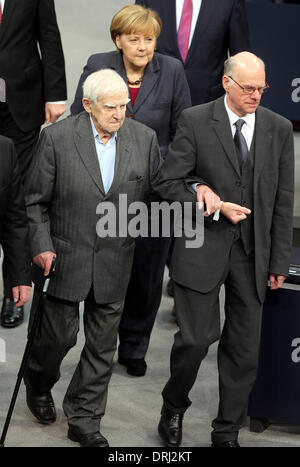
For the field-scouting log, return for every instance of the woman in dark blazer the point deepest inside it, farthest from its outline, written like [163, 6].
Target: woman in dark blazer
[159, 92]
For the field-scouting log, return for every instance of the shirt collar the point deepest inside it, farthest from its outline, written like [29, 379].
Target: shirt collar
[233, 118]
[96, 134]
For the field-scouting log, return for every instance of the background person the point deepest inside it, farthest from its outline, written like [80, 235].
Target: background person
[32, 66]
[13, 227]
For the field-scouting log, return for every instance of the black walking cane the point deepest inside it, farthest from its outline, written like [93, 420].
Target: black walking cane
[35, 323]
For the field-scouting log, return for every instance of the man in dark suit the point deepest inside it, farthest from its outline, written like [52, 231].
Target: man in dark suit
[13, 224]
[35, 89]
[242, 154]
[82, 164]
[216, 28]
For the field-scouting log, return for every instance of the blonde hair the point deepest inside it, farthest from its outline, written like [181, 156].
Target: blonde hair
[137, 19]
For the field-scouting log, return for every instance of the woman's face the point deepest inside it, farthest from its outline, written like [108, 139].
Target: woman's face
[138, 49]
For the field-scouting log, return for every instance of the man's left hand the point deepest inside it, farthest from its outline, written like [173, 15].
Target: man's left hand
[53, 112]
[276, 281]
[21, 294]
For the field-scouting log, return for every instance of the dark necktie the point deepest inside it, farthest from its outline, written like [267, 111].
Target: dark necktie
[184, 30]
[240, 141]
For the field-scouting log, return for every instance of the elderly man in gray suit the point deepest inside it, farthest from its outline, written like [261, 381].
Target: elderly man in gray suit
[80, 163]
[242, 154]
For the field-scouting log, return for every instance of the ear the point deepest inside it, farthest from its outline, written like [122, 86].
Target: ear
[87, 104]
[226, 83]
[118, 41]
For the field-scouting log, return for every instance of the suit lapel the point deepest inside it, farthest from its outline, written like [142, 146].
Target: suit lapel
[150, 78]
[124, 150]
[85, 144]
[171, 12]
[221, 126]
[263, 138]
[8, 9]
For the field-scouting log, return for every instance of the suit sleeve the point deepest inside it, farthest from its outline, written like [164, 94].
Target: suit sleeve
[178, 172]
[239, 31]
[39, 191]
[15, 229]
[89, 68]
[282, 220]
[55, 88]
[181, 98]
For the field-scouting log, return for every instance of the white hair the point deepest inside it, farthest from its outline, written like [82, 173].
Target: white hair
[103, 83]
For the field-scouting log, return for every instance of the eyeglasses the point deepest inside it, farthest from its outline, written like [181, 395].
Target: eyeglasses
[251, 89]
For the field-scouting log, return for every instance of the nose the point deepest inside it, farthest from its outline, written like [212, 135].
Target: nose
[256, 94]
[118, 114]
[142, 44]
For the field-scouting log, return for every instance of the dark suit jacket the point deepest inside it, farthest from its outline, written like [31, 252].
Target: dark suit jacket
[164, 93]
[13, 219]
[63, 191]
[31, 80]
[221, 26]
[203, 149]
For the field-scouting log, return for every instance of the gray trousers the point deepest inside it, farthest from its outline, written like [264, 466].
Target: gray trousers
[85, 401]
[199, 326]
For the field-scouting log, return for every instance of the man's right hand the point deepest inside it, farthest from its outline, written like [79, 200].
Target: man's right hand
[234, 212]
[44, 261]
[209, 197]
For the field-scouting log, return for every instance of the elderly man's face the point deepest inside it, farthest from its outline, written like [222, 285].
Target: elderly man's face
[238, 101]
[108, 113]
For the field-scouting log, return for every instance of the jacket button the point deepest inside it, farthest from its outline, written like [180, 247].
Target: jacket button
[130, 115]
[238, 183]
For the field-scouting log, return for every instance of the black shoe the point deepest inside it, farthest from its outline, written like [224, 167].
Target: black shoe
[41, 406]
[170, 427]
[11, 315]
[135, 366]
[90, 440]
[170, 288]
[227, 444]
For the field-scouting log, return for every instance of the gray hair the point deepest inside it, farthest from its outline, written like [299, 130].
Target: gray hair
[230, 63]
[103, 83]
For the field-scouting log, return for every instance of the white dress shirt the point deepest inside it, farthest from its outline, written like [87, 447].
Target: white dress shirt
[196, 9]
[2, 4]
[247, 128]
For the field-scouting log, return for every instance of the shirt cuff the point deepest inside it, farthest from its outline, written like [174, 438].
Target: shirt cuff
[57, 102]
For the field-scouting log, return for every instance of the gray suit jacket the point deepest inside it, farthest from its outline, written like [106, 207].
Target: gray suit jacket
[163, 95]
[203, 151]
[62, 193]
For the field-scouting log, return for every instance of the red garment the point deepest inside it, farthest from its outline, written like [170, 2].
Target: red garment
[0, 14]
[133, 94]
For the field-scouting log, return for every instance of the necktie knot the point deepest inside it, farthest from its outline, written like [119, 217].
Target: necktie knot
[239, 124]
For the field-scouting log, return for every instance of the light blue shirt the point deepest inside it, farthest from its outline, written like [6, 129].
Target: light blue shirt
[106, 156]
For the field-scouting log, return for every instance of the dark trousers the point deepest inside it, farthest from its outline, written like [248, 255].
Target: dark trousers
[199, 326]
[24, 144]
[143, 296]
[85, 401]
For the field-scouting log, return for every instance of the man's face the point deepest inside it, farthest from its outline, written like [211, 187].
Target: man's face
[238, 101]
[108, 114]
